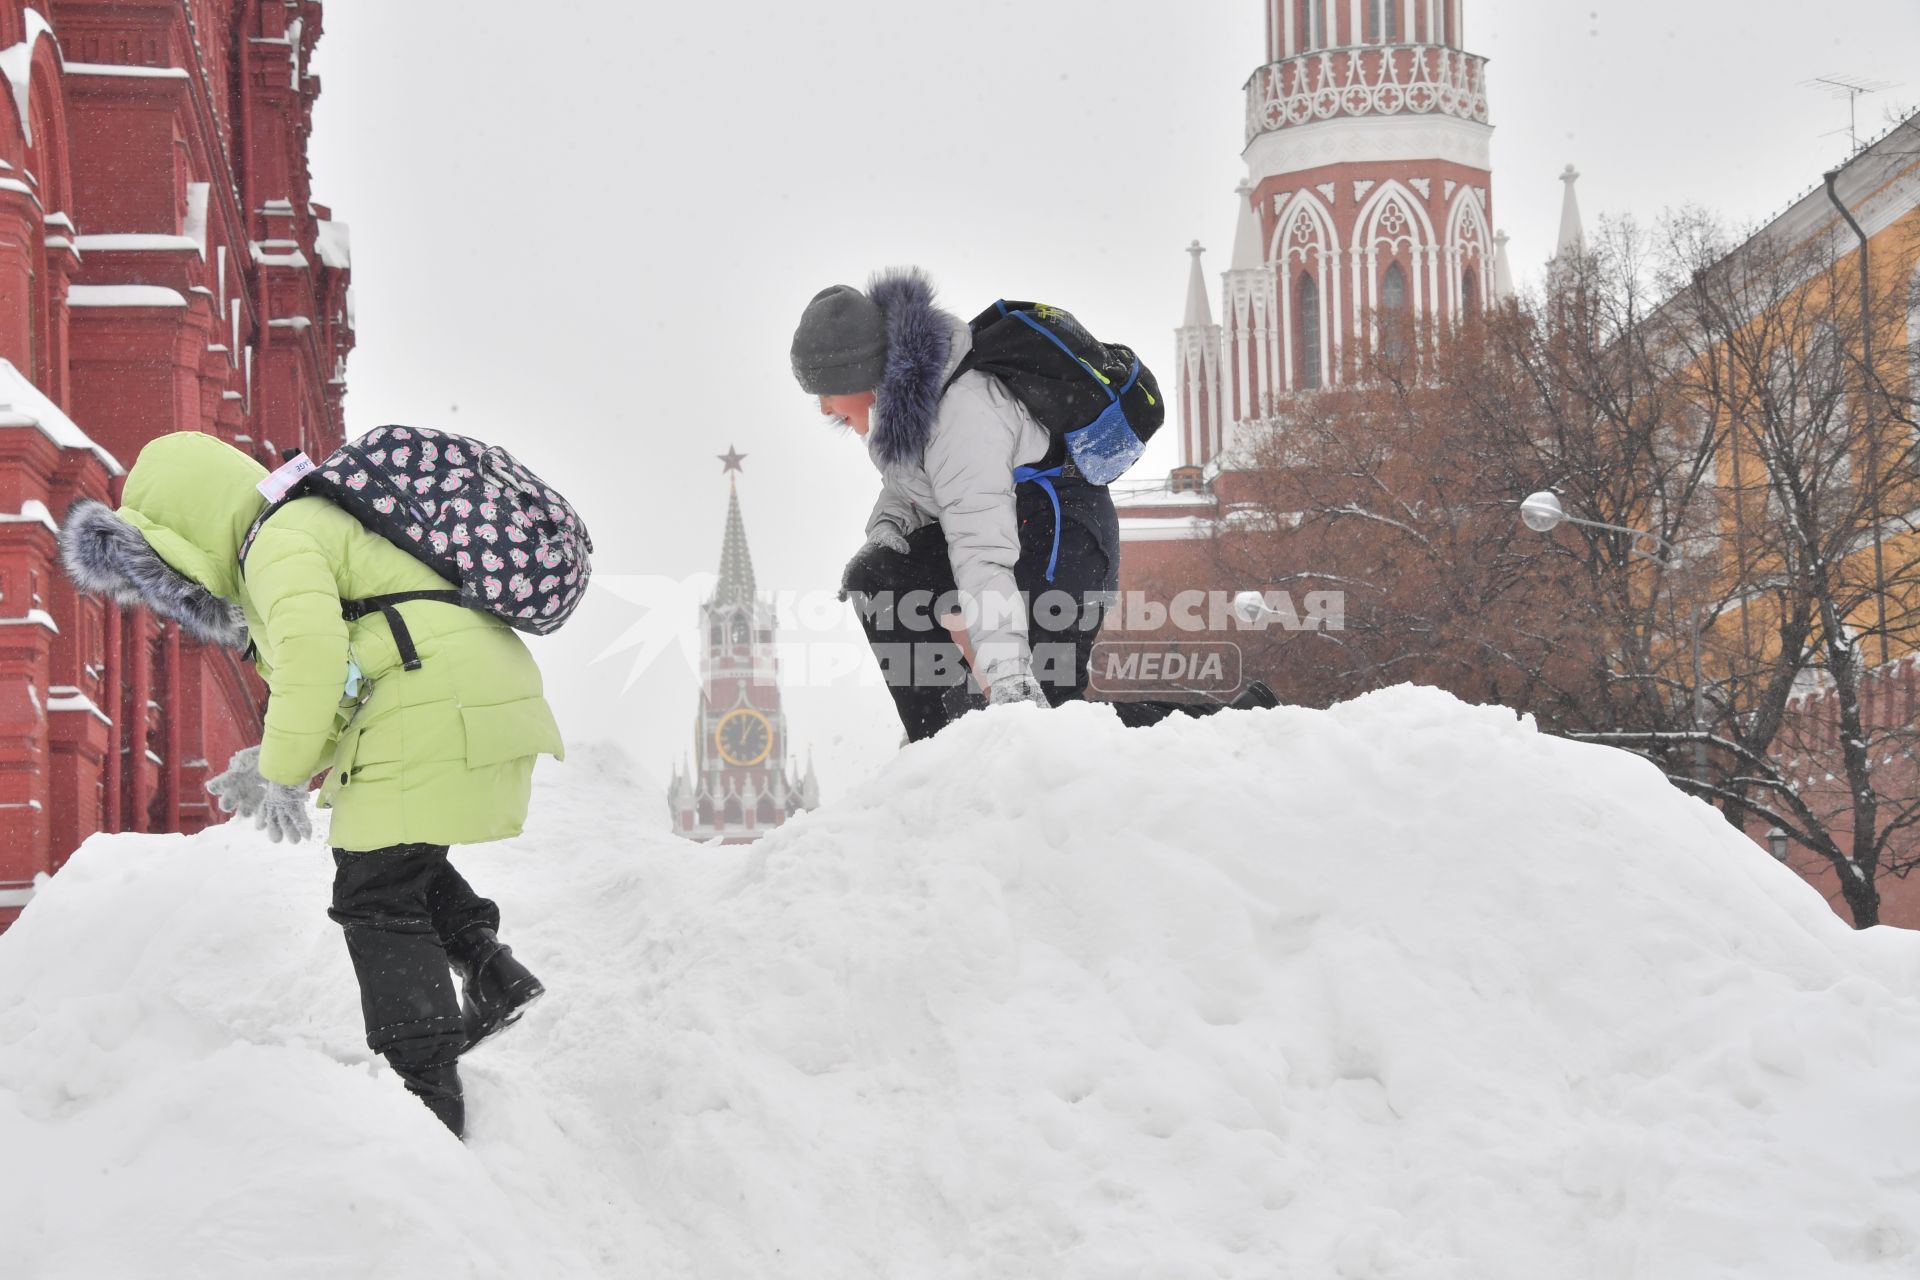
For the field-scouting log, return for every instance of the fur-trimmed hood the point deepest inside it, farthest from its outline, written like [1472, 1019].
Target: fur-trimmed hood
[174, 546]
[106, 556]
[924, 346]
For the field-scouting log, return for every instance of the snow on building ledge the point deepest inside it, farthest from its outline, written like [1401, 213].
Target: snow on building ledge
[127, 295]
[32, 511]
[24, 405]
[65, 697]
[33, 618]
[1160, 529]
[125, 71]
[334, 243]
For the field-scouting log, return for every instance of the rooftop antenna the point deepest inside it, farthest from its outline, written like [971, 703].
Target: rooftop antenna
[1853, 87]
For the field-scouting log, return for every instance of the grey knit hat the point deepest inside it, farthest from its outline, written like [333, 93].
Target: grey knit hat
[840, 348]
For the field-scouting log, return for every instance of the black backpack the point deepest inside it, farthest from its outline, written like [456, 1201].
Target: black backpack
[1096, 399]
[471, 512]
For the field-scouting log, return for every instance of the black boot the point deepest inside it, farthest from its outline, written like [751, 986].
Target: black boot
[439, 1087]
[496, 988]
[1255, 697]
[413, 1019]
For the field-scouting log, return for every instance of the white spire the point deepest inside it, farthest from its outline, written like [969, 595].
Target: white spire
[1247, 254]
[1199, 314]
[810, 786]
[1573, 235]
[1502, 269]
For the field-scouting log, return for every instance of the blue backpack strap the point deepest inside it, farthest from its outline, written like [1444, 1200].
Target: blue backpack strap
[1021, 475]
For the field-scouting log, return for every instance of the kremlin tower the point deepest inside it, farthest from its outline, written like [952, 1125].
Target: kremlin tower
[742, 780]
[1367, 202]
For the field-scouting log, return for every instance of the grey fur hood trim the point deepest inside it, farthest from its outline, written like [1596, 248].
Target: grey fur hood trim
[919, 346]
[106, 556]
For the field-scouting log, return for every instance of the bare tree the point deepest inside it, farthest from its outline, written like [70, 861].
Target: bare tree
[1720, 401]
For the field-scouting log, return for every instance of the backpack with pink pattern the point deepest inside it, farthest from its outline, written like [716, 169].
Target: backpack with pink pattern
[470, 511]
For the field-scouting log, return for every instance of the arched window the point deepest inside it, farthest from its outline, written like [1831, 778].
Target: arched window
[703, 812]
[765, 814]
[1469, 292]
[1393, 311]
[1393, 289]
[1307, 325]
[733, 814]
[740, 631]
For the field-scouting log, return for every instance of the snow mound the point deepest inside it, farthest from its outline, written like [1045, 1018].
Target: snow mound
[1400, 989]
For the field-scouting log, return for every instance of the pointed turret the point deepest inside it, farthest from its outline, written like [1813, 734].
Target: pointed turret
[1197, 383]
[1248, 254]
[1573, 233]
[810, 787]
[1502, 270]
[1199, 311]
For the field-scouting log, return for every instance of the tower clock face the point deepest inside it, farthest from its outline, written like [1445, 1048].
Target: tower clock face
[744, 736]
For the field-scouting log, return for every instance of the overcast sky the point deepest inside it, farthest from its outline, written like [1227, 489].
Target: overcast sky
[585, 230]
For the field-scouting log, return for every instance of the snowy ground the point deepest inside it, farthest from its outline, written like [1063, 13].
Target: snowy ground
[1396, 990]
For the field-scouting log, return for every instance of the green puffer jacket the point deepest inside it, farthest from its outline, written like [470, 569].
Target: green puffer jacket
[441, 755]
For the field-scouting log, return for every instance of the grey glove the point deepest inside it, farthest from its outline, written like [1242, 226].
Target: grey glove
[241, 788]
[1008, 690]
[284, 814]
[883, 535]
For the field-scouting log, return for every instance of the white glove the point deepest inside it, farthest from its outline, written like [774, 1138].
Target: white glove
[284, 814]
[1008, 690]
[884, 535]
[241, 788]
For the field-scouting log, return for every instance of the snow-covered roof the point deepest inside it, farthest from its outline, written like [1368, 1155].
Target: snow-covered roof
[24, 405]
[124, 295]
[334, 243]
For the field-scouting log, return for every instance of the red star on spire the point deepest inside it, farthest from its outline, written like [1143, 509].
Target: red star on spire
[730, 460]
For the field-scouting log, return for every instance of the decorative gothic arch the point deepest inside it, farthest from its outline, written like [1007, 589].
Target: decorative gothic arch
[1393, 225]
[1306, 241]
[1467, 250]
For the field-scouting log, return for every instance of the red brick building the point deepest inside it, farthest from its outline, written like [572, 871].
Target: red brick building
[162, 268]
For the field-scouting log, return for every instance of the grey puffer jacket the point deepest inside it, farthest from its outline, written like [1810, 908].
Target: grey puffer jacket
[950, 458]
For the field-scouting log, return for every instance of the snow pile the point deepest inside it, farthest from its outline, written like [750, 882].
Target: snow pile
[1401, 989]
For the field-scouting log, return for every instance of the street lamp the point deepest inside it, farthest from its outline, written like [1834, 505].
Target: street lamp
[1777, 844]
[1542, 513]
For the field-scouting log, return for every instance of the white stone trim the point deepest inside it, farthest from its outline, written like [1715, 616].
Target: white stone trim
[1370, 140]
[1180, 529]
